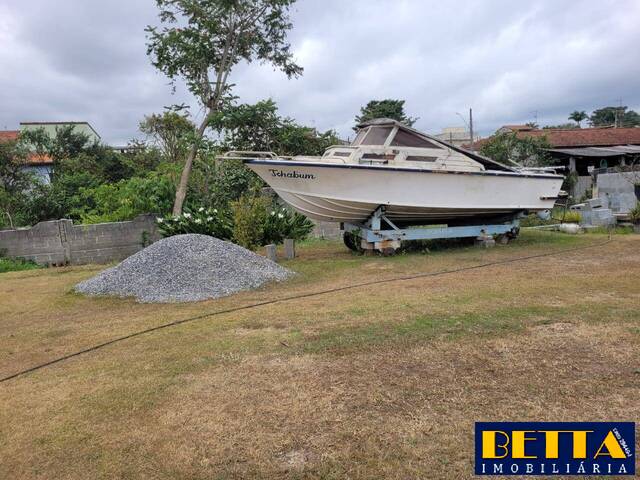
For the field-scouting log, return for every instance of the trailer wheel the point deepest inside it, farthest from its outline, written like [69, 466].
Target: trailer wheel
[502, 239]
[352, 242]
[388, 252]
[513, 234]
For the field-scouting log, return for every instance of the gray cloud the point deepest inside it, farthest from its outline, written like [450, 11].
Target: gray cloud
[86, 60]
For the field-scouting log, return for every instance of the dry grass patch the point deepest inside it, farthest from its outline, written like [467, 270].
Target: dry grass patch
[373, 382]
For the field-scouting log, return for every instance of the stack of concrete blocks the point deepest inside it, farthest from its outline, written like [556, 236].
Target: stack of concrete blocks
[485, 241]
[595, 213]
[60, 242]
[618, 191]
[328, 230]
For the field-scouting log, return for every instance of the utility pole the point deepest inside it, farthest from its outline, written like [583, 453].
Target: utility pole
[618, 115]
[471, 127]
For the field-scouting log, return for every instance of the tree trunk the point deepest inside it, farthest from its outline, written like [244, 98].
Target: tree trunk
[181, 191]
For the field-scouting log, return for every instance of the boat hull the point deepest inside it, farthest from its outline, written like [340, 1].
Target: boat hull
[350, 193]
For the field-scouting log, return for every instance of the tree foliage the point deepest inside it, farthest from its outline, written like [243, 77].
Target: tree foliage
[258, 127]
[171, 132]
[509, 148]
[562, 126]
[578, 116]
[200, 41]
[388, 108]
[15, 184]
[618, 116]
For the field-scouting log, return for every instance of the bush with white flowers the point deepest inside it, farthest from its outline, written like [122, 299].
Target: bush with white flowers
[282, 223]
[206, 221]
[252, 221]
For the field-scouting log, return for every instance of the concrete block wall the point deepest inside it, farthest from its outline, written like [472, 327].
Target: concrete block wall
[61, 242]
[618, 191]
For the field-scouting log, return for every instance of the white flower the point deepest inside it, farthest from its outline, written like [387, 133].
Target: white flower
[215, 210]
[280, 215]
[201, 209]
[197, 220]
[284, 209]
[187, 215]
[209, 219]
[273, 213]
[159, 220]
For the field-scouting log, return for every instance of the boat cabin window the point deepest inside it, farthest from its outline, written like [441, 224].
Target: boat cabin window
[376, 136]
[341, 154]
[360, 136]
[378, 156]
[420, 158]
[408, 139]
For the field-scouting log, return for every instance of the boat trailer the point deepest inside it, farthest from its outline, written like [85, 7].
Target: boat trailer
[370, 236]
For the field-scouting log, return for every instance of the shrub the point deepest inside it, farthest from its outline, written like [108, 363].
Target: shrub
[16, 264]
[252, 221]
[282, 223]
[213, 222]
[249, 219]
[558, 215]
[123, 200]
[634, 214]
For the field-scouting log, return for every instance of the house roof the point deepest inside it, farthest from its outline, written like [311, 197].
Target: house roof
[598, 152]
[581, 137]
[32, 158]
[592, 137]
[39, 159]
[517, 128]
[9, 135]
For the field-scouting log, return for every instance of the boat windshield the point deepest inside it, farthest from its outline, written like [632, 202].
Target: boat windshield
[408, 139]
[376, 136]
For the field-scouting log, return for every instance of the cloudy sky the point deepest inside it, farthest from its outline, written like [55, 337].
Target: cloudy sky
[511, 61]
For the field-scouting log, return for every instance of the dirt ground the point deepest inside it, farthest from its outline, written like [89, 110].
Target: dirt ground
[383, 381]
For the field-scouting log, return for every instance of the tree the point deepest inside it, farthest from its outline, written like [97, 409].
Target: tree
[256, 127]
[388, 108]
[616, 116]
[509, 148]
[202, 40]
[15, 182]
[578, 116]
[562, 126]
[171, 132]
[259, 127]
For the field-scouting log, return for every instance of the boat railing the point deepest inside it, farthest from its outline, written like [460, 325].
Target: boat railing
[246, 155]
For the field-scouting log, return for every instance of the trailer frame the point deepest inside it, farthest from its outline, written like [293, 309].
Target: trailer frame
[374, 236]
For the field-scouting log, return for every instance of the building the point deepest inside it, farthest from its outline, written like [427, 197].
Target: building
[584, 150]
[457, 136]
[42, 165]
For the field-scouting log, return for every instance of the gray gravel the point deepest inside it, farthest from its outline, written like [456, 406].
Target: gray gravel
[185, 268]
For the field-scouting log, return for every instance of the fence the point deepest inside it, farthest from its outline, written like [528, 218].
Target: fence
[60, 242]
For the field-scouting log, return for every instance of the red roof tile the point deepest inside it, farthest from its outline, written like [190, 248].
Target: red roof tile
[581, 137]
[39, 159]
[587, 137]
[33, 158]
[9, 135]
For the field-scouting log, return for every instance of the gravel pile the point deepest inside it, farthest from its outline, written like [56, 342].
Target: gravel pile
[185, 268]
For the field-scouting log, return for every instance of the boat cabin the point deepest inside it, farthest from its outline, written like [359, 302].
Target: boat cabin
[389, 142]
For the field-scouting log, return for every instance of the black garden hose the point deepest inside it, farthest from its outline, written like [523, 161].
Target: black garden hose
[293, 297]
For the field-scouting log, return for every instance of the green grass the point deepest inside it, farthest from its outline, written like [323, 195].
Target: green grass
[16, 265]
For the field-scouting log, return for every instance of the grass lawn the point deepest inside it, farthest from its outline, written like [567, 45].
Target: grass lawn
[384, 381]
[16, 265]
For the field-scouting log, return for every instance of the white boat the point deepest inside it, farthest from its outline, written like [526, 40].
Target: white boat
[416, 178]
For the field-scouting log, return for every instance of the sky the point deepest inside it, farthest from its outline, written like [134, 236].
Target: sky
[512, 62]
